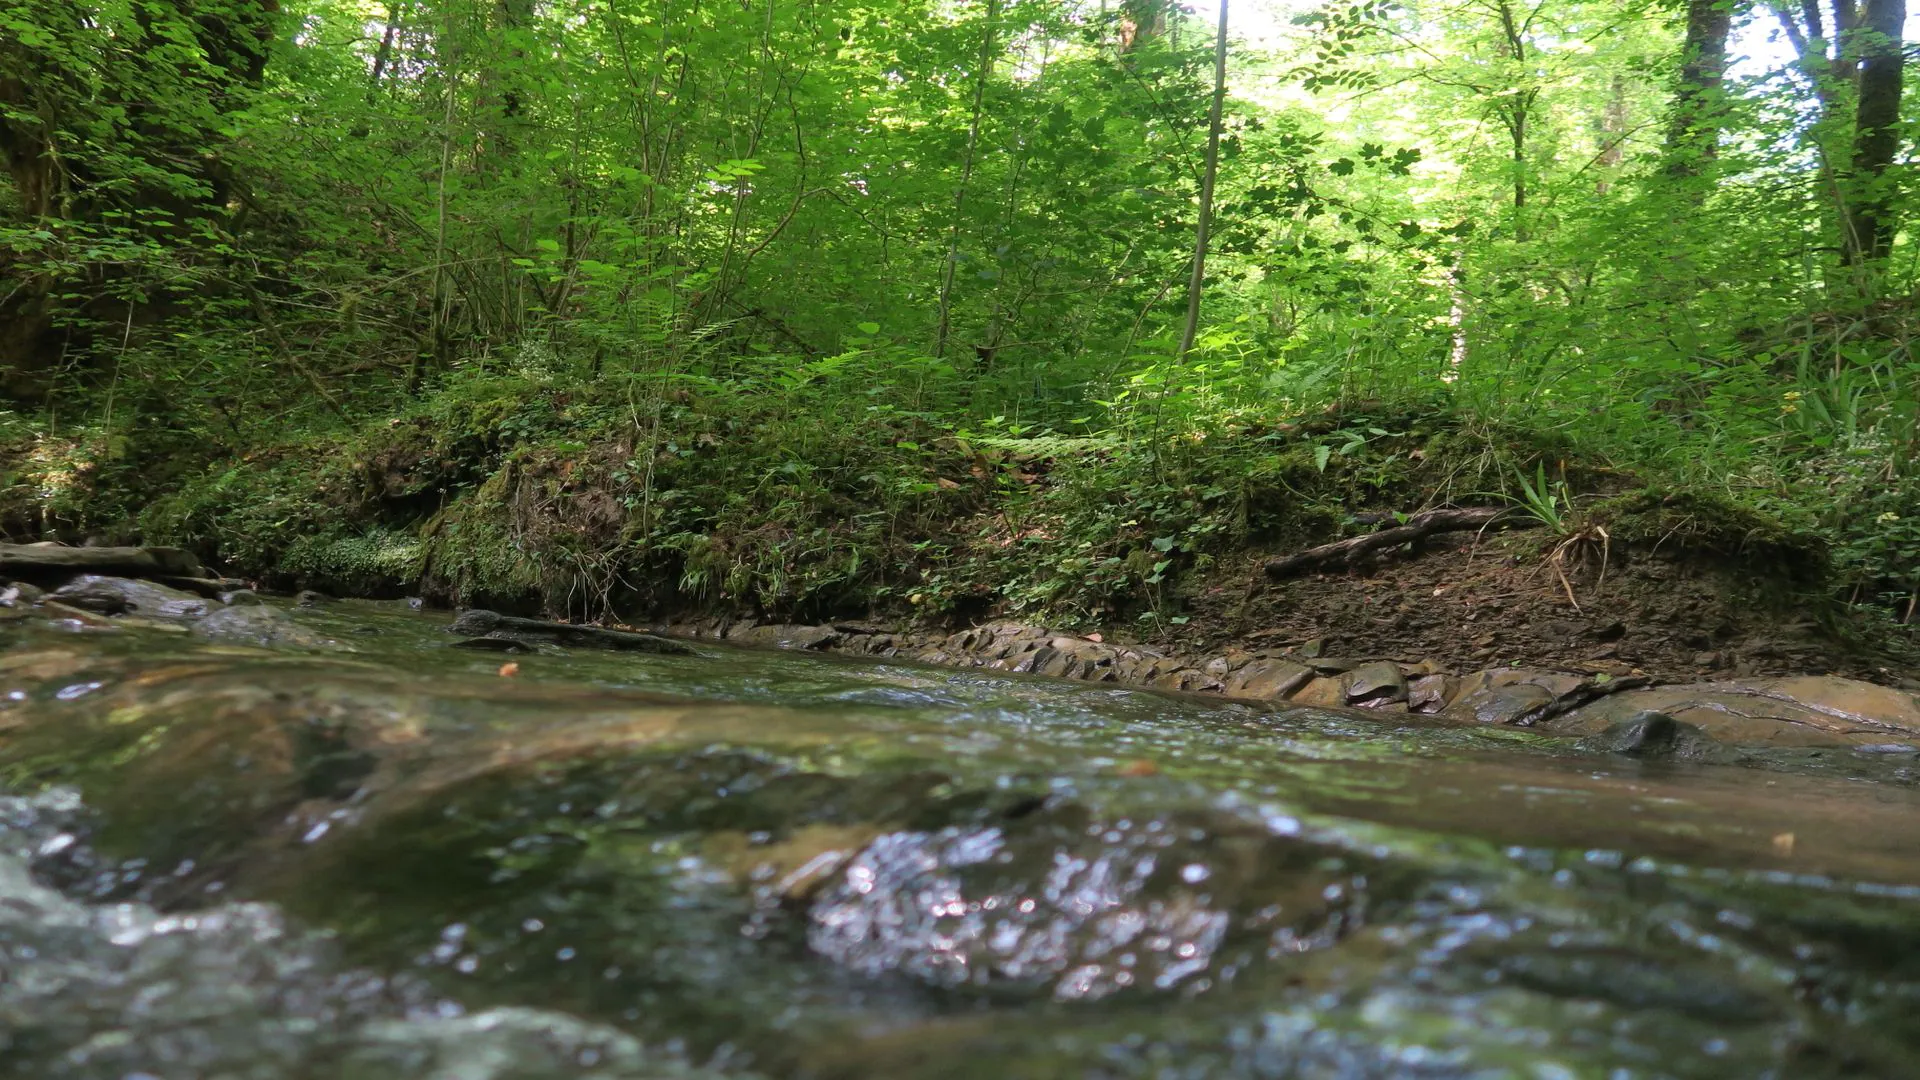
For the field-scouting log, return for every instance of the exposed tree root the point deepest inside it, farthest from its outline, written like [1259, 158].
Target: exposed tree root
[1350, 551]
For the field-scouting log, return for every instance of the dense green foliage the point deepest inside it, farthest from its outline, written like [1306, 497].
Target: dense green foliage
[806, 304]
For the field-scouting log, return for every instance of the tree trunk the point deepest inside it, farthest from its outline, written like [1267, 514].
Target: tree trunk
[1198, 281]
[396, 12]
[1516, 114]
[1141, 21]
[966, 177]
[1693, 136]
[1876, 139]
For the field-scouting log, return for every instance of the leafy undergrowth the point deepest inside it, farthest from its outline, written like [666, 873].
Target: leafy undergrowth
[510, 491]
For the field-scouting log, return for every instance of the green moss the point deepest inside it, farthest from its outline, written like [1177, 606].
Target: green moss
[472, 555]
[1696, 522]
[379, 561]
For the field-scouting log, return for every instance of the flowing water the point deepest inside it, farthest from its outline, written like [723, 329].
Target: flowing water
[220, 861]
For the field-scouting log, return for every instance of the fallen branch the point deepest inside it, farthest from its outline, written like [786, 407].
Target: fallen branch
[137, 561]
[1419, 526]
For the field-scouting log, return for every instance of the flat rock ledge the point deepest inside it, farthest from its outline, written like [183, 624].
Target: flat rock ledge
[1800, 712]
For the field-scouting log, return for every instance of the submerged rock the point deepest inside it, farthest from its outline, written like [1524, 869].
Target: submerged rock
[787, 637]
[478, 623]
[20, 594]
[258, 624]
[1652, 734]
[124, 596]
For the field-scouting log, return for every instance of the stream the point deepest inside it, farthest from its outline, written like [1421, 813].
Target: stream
[373, 854]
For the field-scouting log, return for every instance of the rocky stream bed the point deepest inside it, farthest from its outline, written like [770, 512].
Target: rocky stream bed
[246, 837]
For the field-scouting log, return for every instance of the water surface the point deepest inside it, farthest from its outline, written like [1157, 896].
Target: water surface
[397, 862]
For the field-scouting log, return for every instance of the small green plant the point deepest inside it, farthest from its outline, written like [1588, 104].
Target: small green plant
[1549, 504]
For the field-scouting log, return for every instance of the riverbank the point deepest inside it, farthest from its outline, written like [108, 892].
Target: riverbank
[508, 493]
[1604, 705]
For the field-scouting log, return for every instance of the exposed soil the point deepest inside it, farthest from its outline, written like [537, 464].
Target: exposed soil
[1501, 600]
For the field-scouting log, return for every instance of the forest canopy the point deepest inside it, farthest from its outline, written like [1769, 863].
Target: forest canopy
[840, 239]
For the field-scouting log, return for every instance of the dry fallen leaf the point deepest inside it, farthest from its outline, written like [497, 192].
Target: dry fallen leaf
[1139, 767]
[949, 485]
[509, 669]
[1783, 844]
[1095, 638]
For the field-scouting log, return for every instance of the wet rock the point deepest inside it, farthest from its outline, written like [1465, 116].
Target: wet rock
[1514, 703]
[1375, 684]
[414, 603]
[21, 594]
[1849, 700]
[493, 644]
[1644, 734]
[1188, 679]
[123, 596]
[1071, 658]
[1678, 988]
[311, 598]
[478, 622]
[1330, 665]
[78, 616]
[241, 596]
[788, 637]
[257, 624]
[1073, 909]
[1519, 696]
[1322, 692]
[1796, 712]
[1430, 693]
[1268, 679]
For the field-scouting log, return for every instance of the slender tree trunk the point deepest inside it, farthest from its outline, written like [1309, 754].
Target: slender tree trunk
[1693, 135]
[1876, 139]
[1457, 343]
[396, 11]
[966, 177]
[1830, 70]
[441, 340]
[1517, 115]
[1198, 281]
